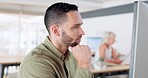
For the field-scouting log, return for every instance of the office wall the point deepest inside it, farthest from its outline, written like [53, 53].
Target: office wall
[121, 24]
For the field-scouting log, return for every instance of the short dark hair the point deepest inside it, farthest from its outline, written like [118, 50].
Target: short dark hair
[56, 13]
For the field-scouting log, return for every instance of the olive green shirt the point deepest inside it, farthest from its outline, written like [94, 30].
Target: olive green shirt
[45, 61]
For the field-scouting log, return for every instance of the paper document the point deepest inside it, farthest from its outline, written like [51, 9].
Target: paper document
[125, 59]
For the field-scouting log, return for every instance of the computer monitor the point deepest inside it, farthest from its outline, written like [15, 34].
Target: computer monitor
[139, 62]
[94, 42]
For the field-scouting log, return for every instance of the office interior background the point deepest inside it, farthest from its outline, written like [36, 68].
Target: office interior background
[22, 24]
[22, 27]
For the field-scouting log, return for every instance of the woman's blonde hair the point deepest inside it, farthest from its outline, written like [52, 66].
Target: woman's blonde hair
[107, 35]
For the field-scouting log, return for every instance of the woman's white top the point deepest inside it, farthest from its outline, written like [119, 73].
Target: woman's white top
[108, 53]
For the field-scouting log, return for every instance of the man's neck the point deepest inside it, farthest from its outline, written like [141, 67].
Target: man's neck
[63, 49]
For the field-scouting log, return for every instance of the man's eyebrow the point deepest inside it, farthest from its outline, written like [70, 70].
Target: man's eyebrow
[78, 24]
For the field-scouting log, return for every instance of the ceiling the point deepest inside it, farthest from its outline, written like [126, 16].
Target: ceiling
[14, 13]
[38, 7]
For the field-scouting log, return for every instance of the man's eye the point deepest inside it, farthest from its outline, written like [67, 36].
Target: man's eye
[75, 27]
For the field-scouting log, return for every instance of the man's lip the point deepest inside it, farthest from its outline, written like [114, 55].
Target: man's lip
[79, 38]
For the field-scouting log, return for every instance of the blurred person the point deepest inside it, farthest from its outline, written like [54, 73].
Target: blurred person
[106, 51]
[52, 58]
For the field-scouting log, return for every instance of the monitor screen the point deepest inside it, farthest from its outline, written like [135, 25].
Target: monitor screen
[94, 42]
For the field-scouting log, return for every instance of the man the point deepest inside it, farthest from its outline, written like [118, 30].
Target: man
[52, 59]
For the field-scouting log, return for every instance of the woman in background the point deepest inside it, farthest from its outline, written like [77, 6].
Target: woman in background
[107, 52]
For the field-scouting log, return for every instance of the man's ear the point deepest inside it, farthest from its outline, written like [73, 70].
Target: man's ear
[55, 30]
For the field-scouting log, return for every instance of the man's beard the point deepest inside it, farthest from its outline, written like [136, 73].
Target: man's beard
[68, 40]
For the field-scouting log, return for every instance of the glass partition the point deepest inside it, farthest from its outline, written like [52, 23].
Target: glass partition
[20, 33]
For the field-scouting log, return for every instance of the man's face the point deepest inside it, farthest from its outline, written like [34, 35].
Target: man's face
[71, 31]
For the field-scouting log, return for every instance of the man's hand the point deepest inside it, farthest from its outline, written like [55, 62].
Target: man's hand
[82, 54]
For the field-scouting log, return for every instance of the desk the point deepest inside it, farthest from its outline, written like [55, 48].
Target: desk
[111, 70]
[6, 61]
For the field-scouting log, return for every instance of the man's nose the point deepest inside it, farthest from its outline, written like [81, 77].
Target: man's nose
[81, 32]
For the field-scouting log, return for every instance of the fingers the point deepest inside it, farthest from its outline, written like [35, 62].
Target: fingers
[82, 54]
[81, 49]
